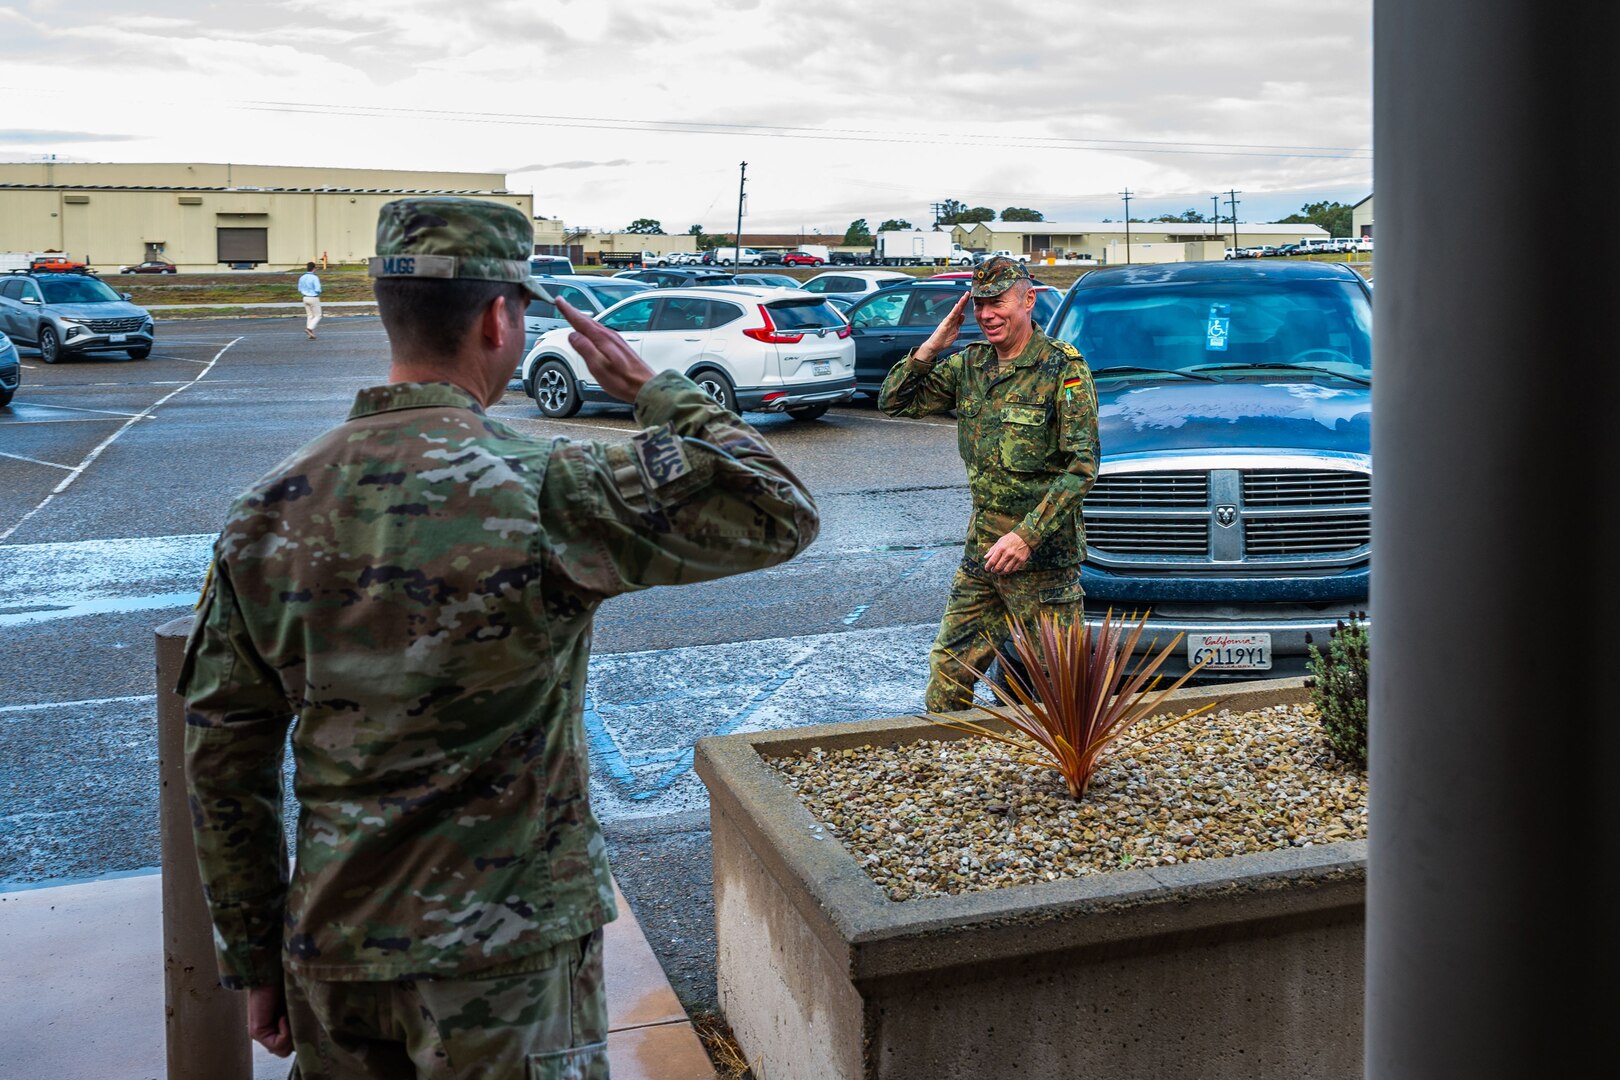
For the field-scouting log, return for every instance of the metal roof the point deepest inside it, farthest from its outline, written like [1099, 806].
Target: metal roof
[260, 190]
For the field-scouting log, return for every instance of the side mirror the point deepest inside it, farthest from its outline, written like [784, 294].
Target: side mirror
[126, 296]
[30, 300]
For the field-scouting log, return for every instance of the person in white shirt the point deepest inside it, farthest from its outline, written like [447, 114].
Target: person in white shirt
[310, 286]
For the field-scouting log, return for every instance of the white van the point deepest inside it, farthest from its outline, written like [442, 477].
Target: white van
[1316, 244]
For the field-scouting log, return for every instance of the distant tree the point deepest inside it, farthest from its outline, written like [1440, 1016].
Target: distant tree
[950, 212]
[858, 234]
[646, 225]
[695, 230]
[895, 223]
[1189, 217]
[1332, 216]
[1021, 213]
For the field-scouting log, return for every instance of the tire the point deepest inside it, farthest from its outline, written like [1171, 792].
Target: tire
[5, 397]
[808, 412]
[815, 262]
[714, 383]
[50, 349]
[141, 353]
[554, 390]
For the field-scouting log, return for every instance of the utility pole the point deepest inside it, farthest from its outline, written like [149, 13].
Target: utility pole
[1127, 194]
[1216, 199]
[742, 179]
[939, 212]
[1233, 199]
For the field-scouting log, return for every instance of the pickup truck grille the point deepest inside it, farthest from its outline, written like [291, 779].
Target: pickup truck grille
[114, 326]
[1149, 490]
[1261, 519]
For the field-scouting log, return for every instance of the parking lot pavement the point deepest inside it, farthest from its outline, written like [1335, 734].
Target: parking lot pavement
[114, 478]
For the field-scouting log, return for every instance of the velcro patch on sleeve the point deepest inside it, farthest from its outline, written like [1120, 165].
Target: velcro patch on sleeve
[662, 455]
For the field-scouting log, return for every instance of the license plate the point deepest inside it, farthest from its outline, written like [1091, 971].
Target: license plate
[116, 338]
[1230, 652]
[821, 367]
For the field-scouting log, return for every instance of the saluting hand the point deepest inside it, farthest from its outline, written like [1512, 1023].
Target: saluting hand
[612, 362]
[944, 334]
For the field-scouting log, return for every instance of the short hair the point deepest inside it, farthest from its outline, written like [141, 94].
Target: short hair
[434, 313]
[309, 266]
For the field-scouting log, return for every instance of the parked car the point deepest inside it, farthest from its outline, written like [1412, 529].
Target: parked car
[801, 258]
[772, 258]
[73, 314]
[751, 348]
[775, 281]
[730, 256]
[55, 263]
[1235, 426]
[587, 292]
[550, 264]
[677, 276]
[10, 371]
[1288, 249]
[894, 320]
[852, 284]
[150, 266]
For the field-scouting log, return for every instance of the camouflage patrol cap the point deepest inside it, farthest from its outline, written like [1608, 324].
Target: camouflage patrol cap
[451, 237]
[995, 276]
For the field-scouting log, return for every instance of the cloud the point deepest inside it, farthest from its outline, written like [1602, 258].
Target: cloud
[42, 137]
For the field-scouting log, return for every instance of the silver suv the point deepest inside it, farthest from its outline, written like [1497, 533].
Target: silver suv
[69, 314]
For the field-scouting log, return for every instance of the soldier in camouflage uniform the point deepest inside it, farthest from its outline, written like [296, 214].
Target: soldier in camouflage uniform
[1026, 419]
[417, 587]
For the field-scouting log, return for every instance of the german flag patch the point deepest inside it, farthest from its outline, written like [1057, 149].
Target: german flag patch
[1074, 383]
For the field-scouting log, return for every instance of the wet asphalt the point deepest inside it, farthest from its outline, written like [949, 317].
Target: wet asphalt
[114, 473]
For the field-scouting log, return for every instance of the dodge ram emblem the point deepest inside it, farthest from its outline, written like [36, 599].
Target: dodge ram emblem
[1226, 515]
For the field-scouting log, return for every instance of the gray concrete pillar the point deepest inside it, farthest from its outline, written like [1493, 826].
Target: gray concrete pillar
[1496, 532]
[205, 1027]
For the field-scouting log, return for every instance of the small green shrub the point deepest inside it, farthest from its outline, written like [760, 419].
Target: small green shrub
[1339, 688]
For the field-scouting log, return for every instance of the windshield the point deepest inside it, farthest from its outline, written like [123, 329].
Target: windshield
[77, 290]
[1193, 326]
[612, 294]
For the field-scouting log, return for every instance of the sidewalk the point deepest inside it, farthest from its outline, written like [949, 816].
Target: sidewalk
[82, 987]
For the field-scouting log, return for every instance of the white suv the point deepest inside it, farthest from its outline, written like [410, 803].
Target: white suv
[730, 255]
[752, 348]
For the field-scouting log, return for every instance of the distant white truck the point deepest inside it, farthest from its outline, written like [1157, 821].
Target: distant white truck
[17, 260]
[918, 247]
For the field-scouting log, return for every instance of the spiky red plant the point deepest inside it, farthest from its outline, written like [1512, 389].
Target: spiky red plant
[1082, 694]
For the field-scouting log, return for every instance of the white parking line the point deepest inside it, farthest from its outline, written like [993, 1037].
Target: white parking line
[36, 461]
[73, 704]
[78, 470]
[77, 408]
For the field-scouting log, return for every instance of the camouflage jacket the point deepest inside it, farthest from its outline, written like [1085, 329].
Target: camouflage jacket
[1027, 430]
[417, 586]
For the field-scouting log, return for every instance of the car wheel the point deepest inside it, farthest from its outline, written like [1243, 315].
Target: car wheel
[5, 397]
[140, 353]
[554, 390]
[815, 262]
[714, 383]
[50, 349]
[808, 412]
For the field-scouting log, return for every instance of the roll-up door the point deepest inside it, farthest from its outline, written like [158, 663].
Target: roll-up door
[244, 245]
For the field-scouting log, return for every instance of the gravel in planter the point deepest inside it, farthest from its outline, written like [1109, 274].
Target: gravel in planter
[933, 818]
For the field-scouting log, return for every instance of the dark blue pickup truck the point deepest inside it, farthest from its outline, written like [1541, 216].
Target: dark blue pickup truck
[1235, 417]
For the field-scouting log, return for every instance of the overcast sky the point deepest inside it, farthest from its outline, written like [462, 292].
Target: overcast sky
[610, 110]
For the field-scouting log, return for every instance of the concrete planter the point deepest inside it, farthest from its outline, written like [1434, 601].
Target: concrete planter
[1243, 967]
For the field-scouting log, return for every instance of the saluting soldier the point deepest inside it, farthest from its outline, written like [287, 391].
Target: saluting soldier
[417, 587]
[1026, 418]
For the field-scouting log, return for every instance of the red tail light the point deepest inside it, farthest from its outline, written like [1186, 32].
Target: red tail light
[844, 331]
[769, 334]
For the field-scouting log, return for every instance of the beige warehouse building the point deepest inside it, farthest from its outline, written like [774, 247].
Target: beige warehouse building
[1106, 241]
[210, 217]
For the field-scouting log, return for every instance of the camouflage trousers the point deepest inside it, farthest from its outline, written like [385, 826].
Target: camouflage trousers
[975, 623]
[542, 1018]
